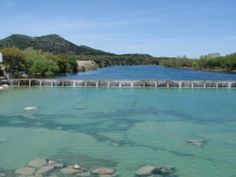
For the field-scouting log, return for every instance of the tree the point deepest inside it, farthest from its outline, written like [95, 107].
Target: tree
[14, 61]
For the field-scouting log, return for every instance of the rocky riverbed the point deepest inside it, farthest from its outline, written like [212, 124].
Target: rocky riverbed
[51, 168]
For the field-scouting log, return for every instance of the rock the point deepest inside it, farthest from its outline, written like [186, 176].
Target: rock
[103, 171]
[43, 170]
[26, 171]
[1, 88]
[53, 175]
[153, 171]
[145, 170]
[2, 174]
[85, 174]
[163, 171]
[76, 166]
[70, 170]
[31, 108]
[107, 176]
[196, 142]
[55, 164]
[5, 86]
[37, 163]
[86, 65]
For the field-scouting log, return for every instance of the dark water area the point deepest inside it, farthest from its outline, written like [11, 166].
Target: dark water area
[148, 72]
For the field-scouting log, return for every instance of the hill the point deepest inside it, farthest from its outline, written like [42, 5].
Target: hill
[49, 43]
[57, 45]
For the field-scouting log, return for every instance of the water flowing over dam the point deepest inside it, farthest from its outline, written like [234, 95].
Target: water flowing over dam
[122, 83]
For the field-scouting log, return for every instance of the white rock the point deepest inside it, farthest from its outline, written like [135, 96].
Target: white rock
[1, 88]
[55, 164]
[31, 108]
[5, 86]
[76, 166]
[103, 171]
[37, 163]
[25, 171]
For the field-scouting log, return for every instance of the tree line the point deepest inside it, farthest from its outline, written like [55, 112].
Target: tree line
[36, 63]
[212, 62]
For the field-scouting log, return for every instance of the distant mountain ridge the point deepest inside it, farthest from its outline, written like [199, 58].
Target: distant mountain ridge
[48, 43]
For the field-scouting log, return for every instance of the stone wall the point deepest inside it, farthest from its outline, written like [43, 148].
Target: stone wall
[121, 83]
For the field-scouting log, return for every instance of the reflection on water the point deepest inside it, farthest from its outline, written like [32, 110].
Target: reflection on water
[121, 129]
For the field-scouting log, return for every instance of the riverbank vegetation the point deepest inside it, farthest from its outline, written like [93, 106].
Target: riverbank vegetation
[208, 62]
[51, 54]
[36, 63]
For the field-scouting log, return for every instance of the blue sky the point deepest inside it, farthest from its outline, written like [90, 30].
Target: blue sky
[156, 27]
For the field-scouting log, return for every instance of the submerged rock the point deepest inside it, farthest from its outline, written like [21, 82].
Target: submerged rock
[164, 171]
[43, 170]
[53, 175]
[70, 170]
[196, 142]
[26, 171]
[152, 171]
[85, 174]
[55, 164]
[2, 174]
[37, 163]
[103, 171]
[145, 170]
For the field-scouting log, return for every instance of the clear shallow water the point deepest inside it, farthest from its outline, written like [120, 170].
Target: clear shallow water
[149, 73]
[121, 128]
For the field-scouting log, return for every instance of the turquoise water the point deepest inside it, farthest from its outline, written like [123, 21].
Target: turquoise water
[121, 128]
[150, 72]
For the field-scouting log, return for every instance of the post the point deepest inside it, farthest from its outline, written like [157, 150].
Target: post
[155, 84]
[180, 84]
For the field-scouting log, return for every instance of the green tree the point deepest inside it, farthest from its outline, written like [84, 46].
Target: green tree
[14, 61]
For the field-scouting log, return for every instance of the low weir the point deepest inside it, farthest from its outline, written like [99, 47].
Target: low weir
[121, 83]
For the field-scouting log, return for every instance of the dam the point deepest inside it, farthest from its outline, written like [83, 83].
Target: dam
[121, 83]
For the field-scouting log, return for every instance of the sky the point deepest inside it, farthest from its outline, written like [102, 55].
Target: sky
[157, 27]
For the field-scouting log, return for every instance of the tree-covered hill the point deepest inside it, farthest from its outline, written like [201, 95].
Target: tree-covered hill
[52, 54]
[49, 43]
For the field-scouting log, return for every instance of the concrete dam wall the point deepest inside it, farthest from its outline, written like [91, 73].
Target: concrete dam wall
[121, 83]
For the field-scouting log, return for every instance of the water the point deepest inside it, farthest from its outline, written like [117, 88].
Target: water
[149, 73]
[121, 128]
